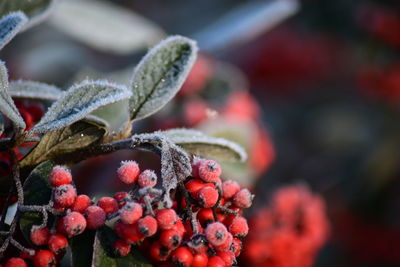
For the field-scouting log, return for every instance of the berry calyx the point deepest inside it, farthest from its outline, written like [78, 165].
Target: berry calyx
[40, 236]
[73, 224]
[60, 175]
[147, 225]
[209, 171]
[95, 217]
[131, 212]
[65, 195]
[170, 239]
[128, 172]
[216, 233]
[147, 178]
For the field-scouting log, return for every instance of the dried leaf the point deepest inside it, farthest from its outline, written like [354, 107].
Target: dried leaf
[10, 25]
[160, 75]
[34, 90]
[203, 145]
[7, 106]
[77, 136]
[78, 102]
[90, 23]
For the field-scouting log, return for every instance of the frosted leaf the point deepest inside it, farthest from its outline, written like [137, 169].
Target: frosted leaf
[160, 75]
[90, 23]
[78, 102]
[10, 25]
[7, 106]
[203, 145]
[35, 10]
[34, 90]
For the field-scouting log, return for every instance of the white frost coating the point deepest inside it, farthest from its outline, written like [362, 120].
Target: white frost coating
[160, 75]
[78, 102]
[10, 25]
[182, 136]
[7, 106]
[34, 90]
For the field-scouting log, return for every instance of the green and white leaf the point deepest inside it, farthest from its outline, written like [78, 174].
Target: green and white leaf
[10, 25]
[90, 22]
[34, 90]
[7, 106]
[54, 144]
[160, 75]
[79, 101]
[103, 252]
[35, 10]
[203, 145]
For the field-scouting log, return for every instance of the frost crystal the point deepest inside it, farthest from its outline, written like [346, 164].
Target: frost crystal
[10, 25]
[34, 90]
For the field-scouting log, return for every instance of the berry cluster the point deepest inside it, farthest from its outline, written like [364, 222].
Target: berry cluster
[204, 226]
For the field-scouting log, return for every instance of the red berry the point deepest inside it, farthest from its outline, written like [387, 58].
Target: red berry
[95, 217]
[147, 178]
[128, 172]
[179, 227]
[196, 166]
[216, 233]
[170, 239]
[65, 195]
[228, 257]
[57, 243]
[216, 261]
[131, 212]
[236, 247]
[182, 257]
[60, 175]
[82, 202]
[194, 186]
[44, 258]
[73, 224]
[208, 197]
[121, 248]
[122, 198]
[226, 245]
[158, 252]
[229, 189]
[128, 232]
[243, 199]
[239, 227]
[40, 236]
[147, 225]
[108, 204]
[200, 260]
[209, 171]
[16, 262]
[205, 216]
[166, 218]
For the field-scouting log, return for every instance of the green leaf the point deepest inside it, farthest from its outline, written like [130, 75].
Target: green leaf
[103, 254]
[206, 146]
[160, 75]
[79, 101]
[10, 25]
[37, 191]
[77, 136]
[34, 90]
[7, 106]
[82, 248]
[35, 10]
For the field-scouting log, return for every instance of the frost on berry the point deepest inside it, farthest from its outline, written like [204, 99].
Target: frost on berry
[208, 197]
[60, 175]
[82, 202]
[108, 204]
[166, 218]
[95, 217]
[243, 198]
[209, 171]
[44, 258]
[16, 262]
[65, 195]
[57, 243]
[40, 236]
[147, 225]
[73, 224]
[216, 233]
[121, 248]
[128, 172]
[131, 212]
[147, 178]
[229, 189]
[226, 245]
[239, 227]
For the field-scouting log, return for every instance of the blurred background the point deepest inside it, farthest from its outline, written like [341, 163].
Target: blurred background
[310, 88]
